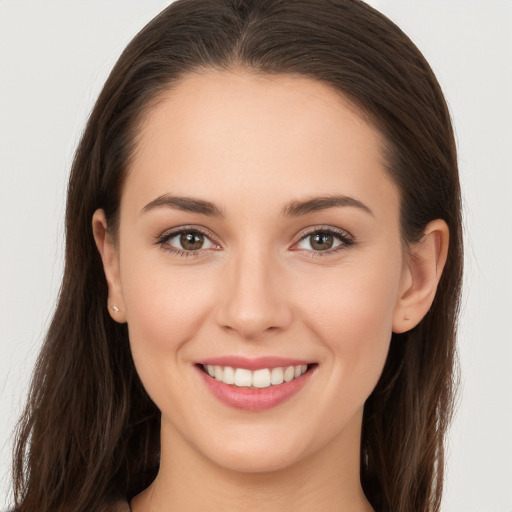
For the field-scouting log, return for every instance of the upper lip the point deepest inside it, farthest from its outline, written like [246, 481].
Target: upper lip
[256, 363]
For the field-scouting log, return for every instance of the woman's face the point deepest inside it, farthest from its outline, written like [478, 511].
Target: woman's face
[258, 231]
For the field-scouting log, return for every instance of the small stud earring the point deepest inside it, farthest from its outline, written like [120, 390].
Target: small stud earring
[114, 308]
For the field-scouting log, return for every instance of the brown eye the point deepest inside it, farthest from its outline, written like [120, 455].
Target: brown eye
[187, 241]
[191, 241]
[325, 240]
[321, 241]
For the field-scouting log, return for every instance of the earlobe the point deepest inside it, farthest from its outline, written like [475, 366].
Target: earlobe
[110, 260]
[422, 272]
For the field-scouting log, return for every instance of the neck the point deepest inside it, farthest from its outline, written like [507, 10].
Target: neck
[328, 480]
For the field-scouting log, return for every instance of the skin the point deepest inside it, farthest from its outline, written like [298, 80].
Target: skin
[252, 144]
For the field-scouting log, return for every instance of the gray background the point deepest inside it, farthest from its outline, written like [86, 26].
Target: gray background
[54, 57]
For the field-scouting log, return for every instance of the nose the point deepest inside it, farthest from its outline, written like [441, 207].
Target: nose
[253, 300]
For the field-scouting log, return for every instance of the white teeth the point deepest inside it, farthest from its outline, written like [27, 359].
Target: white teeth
[289, 374]
[229, 375]
[219, 373]
[276, 377]
[262, 378]
[243, 377]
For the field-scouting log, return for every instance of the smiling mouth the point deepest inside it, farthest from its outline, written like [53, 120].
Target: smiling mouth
[255, 379]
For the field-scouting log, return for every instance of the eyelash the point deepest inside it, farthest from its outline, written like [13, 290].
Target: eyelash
[343, 236]
[164, 238]
[346, 239]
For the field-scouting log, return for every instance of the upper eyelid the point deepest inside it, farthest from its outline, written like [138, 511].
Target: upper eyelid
[169, 233]
[327, 229]
[303, 232]
[172, 232]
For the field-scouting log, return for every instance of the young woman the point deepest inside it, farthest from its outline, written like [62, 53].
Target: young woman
[263, 266]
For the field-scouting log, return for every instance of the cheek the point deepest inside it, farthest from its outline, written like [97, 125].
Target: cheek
[164, 309]
[350, 299]
[351, 313]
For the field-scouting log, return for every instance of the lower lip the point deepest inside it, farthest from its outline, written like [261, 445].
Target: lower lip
[250, 399]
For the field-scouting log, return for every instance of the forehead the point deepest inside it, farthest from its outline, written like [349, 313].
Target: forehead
[232, 134]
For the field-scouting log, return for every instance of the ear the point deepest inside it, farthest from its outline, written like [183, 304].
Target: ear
[110, 259]
[422, 272]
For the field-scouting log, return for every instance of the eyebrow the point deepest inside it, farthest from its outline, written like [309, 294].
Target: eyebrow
[187, 204]
[315, 204]
[292, 209]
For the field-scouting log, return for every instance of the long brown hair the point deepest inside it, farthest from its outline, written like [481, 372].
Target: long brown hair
[90, 434]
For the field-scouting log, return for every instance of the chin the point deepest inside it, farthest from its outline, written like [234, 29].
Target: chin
[259, 447]
[248, 459]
